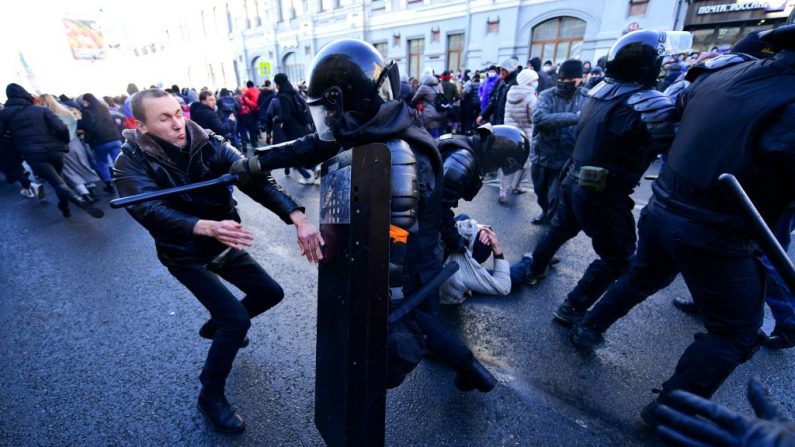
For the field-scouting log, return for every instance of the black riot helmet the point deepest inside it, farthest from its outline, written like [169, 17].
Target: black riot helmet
[348, 76]
[783, 36]
[638, 56]
[503, 147]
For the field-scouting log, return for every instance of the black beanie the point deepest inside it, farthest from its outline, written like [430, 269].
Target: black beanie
[535, 63]
[572, 68]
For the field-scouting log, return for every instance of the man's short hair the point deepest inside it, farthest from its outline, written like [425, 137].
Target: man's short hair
[204, 94]
[267, 83]
[250, 84]
[137, 104]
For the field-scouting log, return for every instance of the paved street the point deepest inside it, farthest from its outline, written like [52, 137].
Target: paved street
[99, 345]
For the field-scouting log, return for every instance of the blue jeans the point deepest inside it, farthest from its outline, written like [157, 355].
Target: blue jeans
[778, 296]
[103, 151]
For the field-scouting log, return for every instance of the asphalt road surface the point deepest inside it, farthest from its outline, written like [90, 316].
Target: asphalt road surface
[99, 344]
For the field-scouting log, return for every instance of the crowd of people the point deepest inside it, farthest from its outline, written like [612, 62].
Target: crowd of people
[586, 134]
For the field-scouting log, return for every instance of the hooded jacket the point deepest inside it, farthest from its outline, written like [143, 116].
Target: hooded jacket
[485, 89]
[519, 108]
[144, 166]
[426, 94]
[34, 129]
[97, 122]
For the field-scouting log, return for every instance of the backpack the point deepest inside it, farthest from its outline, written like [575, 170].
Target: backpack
[302, 114]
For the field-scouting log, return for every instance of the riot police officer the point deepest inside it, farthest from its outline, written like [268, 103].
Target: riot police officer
[466, 162]
[623, 125]
[352, 100]
[690, 226]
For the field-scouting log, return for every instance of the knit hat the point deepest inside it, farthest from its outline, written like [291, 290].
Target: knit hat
[570, 69]
[509, 64]
[535, 63]
[526, 76]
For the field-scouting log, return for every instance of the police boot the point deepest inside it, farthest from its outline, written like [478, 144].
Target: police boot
[209, 329]
[475, 376]
[782, 337]
[220, 413]
[569, 314]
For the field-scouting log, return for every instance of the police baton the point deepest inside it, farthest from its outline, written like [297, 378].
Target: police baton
[764, 237]
[226, 179]
[424, 292]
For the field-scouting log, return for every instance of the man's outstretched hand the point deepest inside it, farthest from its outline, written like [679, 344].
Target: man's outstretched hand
[309, 238]
[227, 232]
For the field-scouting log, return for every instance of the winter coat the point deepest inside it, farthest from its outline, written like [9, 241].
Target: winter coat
[426, 94]
[471, 276]
[34, 129]
[485, 89]
[227, 105]
[266, 95]
[522, 100]
[289, 115]
[97, 122]
[207, 118]
[144, 166]
[450, 91]
[554, 121]
[495, 111]
[250, 97]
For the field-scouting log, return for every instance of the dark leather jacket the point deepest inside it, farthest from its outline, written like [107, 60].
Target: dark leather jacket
[144, 166]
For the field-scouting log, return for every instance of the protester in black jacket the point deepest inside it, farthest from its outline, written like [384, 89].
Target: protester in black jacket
[495, 111]
[42, 139]
[544, 80]
[198, 235]
[102, 135]
[293, 117]
[264, 99]
[203, 113]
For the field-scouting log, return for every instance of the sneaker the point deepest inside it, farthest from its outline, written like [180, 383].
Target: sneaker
[28, 192]
[306, 181]
[531, 278]
[584, 337]
[38, 190]
[568, 314]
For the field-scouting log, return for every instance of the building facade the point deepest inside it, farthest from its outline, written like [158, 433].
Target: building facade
[273, 36]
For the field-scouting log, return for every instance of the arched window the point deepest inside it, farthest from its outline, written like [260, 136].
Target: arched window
[292, 68]
[557, 39]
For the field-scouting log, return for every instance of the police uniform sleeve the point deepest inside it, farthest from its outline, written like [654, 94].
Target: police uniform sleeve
[263, 188]
[305, 151]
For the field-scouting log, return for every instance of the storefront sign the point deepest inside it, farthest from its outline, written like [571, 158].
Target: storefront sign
[777, 5]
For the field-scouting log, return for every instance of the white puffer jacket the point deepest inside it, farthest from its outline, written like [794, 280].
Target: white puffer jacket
[521, 101]
[472, 276]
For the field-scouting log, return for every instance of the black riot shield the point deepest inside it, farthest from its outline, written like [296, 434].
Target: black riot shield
[353, 299]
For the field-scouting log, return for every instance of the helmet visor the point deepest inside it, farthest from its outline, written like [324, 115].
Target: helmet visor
[326, 112]
[673, 42]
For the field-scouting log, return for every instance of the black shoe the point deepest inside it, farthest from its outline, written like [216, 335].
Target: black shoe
[108, 188]
[781, 338]
[87, 207]
[685, 305]
[568, 314]
[584, 337]
[208, 331]
[220, 414]
[64, 207]
[475, 377]
[531, 278]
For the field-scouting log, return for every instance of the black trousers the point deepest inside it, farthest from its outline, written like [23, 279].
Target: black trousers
[11, 167]
[727, 285]
[49, 166]
[248, 128]
[606, 217]
[546, 184]
[231, 317]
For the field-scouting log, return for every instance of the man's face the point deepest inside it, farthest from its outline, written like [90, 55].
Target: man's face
[504, 74]
[164, 120]
[210, 101]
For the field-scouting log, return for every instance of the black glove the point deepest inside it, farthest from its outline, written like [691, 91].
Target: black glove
[690, 420]
[246, 169]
